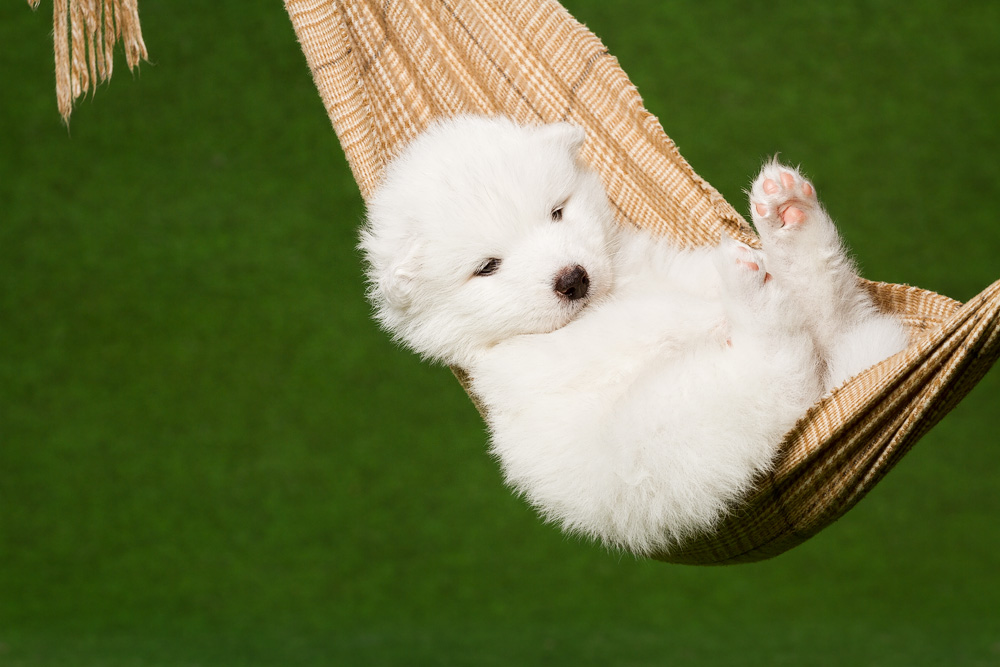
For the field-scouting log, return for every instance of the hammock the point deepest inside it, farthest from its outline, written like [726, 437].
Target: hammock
[386, 69]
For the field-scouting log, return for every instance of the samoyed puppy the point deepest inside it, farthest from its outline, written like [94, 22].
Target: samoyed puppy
[634, 390]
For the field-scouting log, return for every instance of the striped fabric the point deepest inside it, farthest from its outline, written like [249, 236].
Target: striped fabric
[387, 68]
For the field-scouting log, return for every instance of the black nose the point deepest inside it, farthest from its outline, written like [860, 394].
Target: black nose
[572, 282]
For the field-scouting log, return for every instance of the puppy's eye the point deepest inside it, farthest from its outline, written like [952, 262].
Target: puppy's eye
[489, 267]
[557, 210]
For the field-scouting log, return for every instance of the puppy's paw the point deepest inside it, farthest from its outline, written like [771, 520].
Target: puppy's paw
[741, 265]
[782, 200]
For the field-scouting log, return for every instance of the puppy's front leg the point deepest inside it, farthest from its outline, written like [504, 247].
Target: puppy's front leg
[755, 304]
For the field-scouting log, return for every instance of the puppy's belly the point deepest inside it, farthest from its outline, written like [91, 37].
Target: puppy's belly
[636, 424]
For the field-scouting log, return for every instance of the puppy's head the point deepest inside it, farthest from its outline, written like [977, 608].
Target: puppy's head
[482, 230]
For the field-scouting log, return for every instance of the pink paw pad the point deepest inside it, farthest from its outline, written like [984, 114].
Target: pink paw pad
[747, 261]
[792, 215]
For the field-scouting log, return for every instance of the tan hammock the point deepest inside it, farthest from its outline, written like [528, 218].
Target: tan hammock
[386, 69]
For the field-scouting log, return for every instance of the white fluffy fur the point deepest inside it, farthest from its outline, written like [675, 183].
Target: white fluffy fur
[640, 413]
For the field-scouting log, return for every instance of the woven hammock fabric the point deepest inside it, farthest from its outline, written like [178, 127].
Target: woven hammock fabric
[385, 69]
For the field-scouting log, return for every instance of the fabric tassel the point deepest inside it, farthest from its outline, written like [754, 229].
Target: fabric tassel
[84, 35]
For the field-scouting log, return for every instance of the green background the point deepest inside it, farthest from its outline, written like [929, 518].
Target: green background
[209, 455]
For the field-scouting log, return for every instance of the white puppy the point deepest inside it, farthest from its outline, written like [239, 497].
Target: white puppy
[634, 391]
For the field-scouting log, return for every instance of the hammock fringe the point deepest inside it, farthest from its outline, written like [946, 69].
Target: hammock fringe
[84, 34]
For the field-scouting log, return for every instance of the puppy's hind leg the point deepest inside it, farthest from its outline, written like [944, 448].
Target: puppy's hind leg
[805, 251]
[809, 259]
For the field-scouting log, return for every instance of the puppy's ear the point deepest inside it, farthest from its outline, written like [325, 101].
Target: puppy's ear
[565, 135]
[397, 280]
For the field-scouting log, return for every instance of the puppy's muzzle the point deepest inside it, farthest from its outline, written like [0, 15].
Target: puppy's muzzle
[572, 282]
